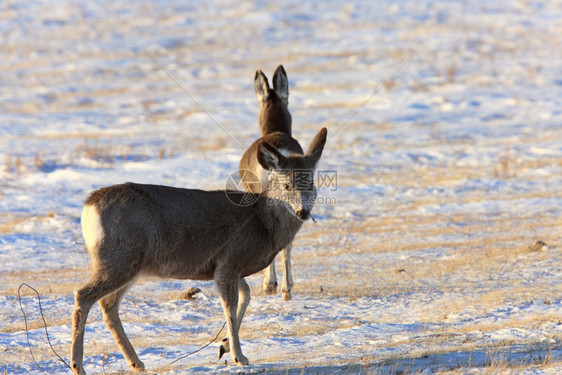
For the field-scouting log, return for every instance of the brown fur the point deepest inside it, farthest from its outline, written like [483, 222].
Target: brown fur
[275, 124]
[274, 113]
[187, 234]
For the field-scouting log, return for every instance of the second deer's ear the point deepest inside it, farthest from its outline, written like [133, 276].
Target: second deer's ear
[261, 85]
[268, 157]
[281, 83]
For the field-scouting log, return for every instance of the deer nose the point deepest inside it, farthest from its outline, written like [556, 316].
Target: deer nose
[303, 214]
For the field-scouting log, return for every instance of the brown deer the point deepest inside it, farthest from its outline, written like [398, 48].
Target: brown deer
[132, 230]
[275, 123]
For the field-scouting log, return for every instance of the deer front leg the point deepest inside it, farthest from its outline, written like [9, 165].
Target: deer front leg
[287, 278]
[243, 302]
[270, 280]
[228, 289]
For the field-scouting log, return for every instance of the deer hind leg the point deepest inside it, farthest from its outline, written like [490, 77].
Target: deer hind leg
[84, 299]
[102, 283]
[270, 280]
[110, 309]
[234, 309]
[287, 278]
[83, 302]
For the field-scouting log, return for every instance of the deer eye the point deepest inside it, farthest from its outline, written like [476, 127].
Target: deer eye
[287, 187]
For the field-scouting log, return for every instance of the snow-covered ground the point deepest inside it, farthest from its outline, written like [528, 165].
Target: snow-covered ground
[445, 131]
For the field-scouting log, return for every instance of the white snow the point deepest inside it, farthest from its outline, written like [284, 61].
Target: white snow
[445, 130]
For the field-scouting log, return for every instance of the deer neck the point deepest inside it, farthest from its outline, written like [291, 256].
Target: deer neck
[275, 119]
[278, 219]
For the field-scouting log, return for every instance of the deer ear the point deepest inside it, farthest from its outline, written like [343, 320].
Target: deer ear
[262, 86]
[268, 157]
[316, 147]
[281, 83]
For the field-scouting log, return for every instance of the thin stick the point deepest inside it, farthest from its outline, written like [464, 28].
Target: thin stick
[44, 324]
[201, 348]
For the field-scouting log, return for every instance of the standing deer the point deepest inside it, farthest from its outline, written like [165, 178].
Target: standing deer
[275, 125]
[132, 230]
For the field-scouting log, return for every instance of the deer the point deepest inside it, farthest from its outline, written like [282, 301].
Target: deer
[275, 124]
[135, 229]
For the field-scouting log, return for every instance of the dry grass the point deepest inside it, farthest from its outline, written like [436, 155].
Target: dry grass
[14, 164]
[497, 362]
[9, 221]
[525, 322]
[49, 283]
[38, 323]
[106, 154]
[8, 224]
[474, 245]
[460, 263]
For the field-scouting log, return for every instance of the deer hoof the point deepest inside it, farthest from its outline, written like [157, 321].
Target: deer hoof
[138, 366]
[241, 360]
[270, 289]
[224, 347]
[78, 370]
[286, 295]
